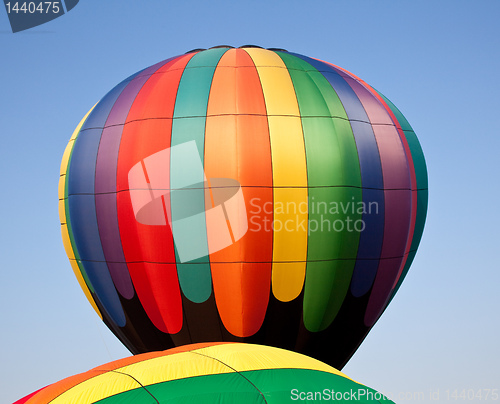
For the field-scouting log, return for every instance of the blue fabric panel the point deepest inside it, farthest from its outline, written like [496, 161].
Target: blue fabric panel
[83, 218]
[81, 173]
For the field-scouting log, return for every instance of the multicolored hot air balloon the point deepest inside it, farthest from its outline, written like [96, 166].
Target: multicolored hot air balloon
[208, 373]
[243, 194]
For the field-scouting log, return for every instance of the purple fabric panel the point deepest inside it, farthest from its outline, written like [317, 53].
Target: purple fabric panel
[381, 292]
[374, 109]
[106, 209]
[105, 184]
[107, 157]
[122, 105]
[121, 279]
[392, 157]
[107, 221]
[396, 229]
[397, 223]
[392, 154]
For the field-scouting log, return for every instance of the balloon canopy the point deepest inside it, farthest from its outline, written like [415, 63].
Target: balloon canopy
[208, 373]
[243, 194]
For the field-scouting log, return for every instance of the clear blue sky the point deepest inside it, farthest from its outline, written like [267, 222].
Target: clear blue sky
[438, 61]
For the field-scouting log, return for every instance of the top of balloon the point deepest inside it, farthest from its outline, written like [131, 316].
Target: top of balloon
[233, 47]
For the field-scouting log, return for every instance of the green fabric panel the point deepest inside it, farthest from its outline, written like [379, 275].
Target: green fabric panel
[326, 286]
[331, 153]
[315, 94]
[226, 388]
[196, 80]
[334, 223]
[293, 385]
[422, 201]
[323, 153]
[189, 125]
[333, 241]
[326, 140]
[418, 159]
[273, 386]
[350, 157]
[334, 180]
[188, 129]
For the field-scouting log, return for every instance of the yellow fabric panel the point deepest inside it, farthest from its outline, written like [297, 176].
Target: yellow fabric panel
[276, 83]
[289, 243]
[287, 152]
[97, 388]
[287, 279]
[173, 367]
[290, 195]
[290, 206]
[67, 242]
[247, 357]
[222, 358]
[62, 204]
[65, 159]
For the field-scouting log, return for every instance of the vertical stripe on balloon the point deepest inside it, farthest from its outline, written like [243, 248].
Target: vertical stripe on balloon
[237, 147]
[68, 242]
[187, 176]
[148, 247]
[289, 175]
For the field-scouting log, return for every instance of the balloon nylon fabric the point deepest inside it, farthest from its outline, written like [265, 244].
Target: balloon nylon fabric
[204, 373]
[309, 144]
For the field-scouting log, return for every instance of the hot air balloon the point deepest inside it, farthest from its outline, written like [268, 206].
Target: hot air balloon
[208, 373]
[243, 194]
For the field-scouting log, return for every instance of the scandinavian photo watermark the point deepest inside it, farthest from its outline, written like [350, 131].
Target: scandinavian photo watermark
[310, 215]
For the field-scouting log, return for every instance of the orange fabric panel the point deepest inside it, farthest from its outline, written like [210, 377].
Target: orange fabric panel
[236, 134]
[54, 390]
[242, 295]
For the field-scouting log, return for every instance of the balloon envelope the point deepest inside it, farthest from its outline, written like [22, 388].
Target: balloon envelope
[243, 195]
[208, 373]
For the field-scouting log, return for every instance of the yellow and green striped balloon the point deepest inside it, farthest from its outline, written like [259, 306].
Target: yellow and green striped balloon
[208, 373]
